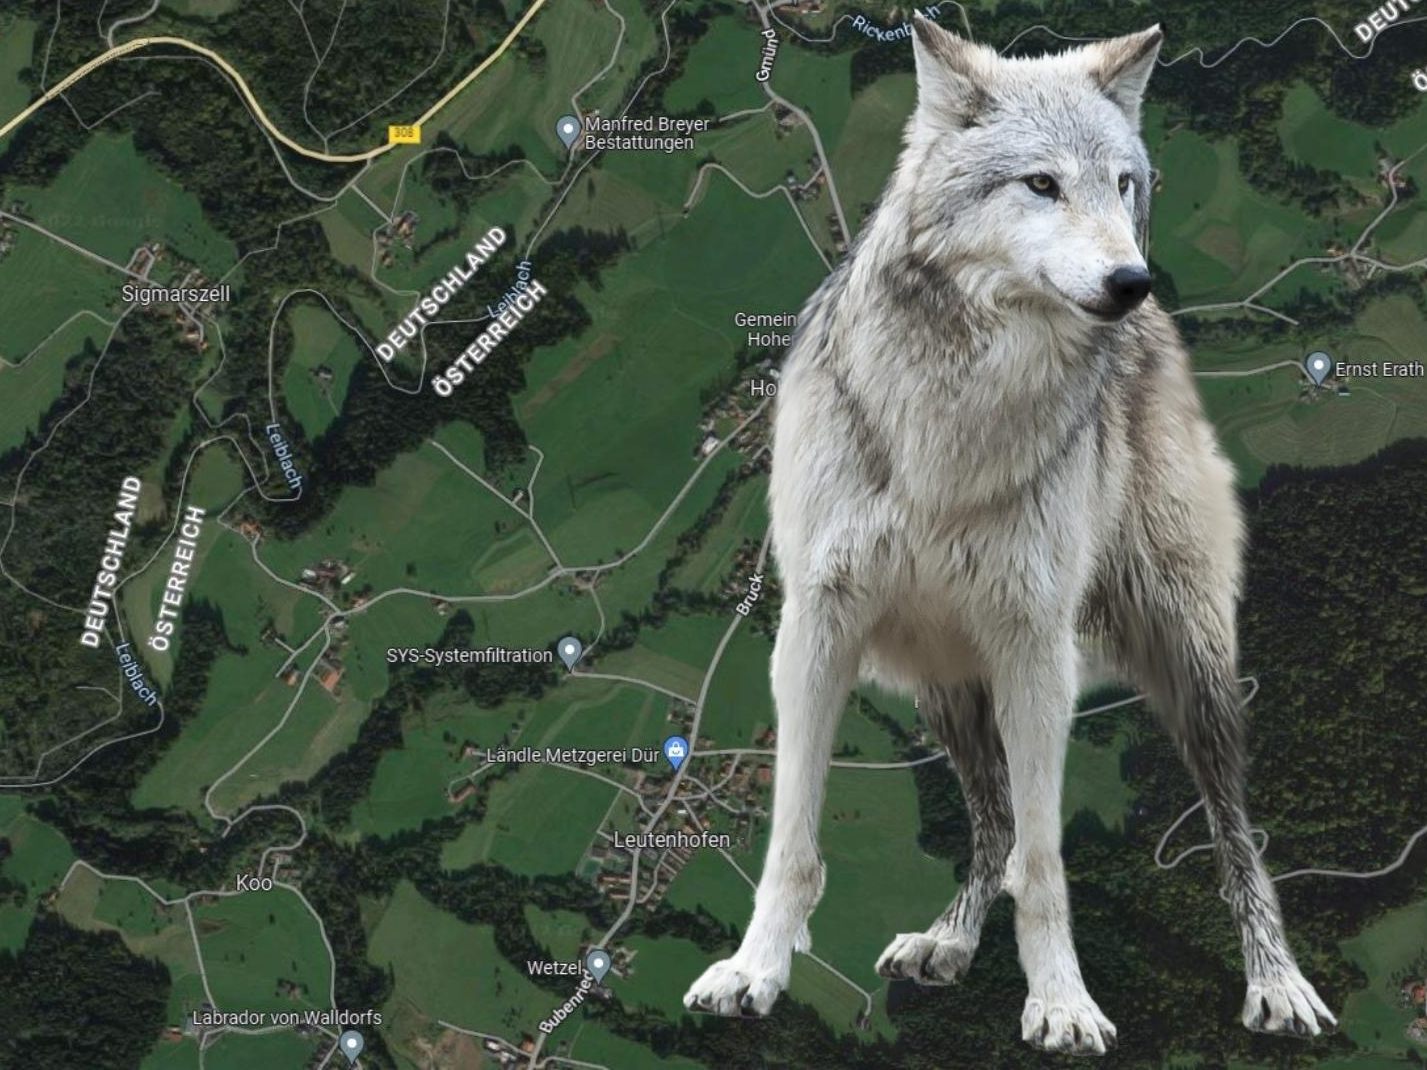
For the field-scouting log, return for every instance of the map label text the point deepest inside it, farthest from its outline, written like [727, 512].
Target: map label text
[651, 133]
[491, 655]
[1382, 369]
[755, 591]
[108, 576]
[177, 580]
[445, 384]
[589, 756]
[523, 273]
[896, 33]
[133, 672]
[560, 1013]
[767, 55]
[425, 310]
[144, 296]
[1382, 18]
[552, 969]
[283, 452]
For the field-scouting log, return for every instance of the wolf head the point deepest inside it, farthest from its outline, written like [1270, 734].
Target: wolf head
[1031, 172]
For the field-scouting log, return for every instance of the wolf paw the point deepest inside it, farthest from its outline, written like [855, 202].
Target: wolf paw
[926, 959]
[732, 989]
[1286, 1004]
[1073, 1025]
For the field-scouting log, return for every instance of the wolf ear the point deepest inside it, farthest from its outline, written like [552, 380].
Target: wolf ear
[951, 72]
[1121, 67]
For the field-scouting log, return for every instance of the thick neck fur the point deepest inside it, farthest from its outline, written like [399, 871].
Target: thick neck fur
[1007, 386]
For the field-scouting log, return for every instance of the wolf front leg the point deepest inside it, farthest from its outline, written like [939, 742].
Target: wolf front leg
[1033, 688]
[814, 664]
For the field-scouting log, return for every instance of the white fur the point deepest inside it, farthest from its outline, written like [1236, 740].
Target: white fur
[939, 511]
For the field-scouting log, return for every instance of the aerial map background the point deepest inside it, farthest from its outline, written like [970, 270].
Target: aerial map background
[602, 474]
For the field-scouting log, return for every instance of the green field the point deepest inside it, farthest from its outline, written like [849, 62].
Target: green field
[745, 518]
[447, 969]
[411, 783]
[1387, 951]
[17, 41]
[663, 328]
[236, 1052]
[244, 700]
[219, 736]
[1217, 236]
[424, 521]
[222, 479]
[320, 726]
[1093, 783]
[40, 860]
[348, 225]
[659, 973]
[627, 589]
[643, 40]
[563, 933]
[264, 951]
[760, 151]
[1313, 134]
[110, 200]
[512, 202]
[43, 286]
[208, 9]
[712, 71]
[818, 84]
[541, 819]
[28, 390]
[319, 342]
[740, 702]
[863, 157]
[1269, 418]
[592, 1043]
[674, 656]
[710, 883]
[879, 881]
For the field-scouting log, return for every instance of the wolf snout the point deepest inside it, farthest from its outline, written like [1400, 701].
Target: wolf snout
[1126, 287]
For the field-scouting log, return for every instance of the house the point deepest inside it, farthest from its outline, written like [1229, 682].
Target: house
[329, 675]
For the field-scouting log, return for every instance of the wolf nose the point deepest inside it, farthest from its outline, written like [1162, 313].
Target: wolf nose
[1127, 287]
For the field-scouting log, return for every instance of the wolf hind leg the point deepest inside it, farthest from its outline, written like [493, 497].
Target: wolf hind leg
[814, 663]
[1174, 629]
[961, 717]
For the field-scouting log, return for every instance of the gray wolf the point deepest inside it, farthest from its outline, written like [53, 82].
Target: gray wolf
[988, 457]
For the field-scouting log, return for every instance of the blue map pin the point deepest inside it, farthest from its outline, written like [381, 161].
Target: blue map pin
[676, 749]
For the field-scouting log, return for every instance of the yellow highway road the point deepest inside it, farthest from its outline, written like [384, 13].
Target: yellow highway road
[247, 93]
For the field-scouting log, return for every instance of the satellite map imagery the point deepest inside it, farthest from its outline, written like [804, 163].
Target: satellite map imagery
[395, 536]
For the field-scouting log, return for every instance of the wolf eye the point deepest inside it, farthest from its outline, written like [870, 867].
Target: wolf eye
[1042, 185]
[1124, 183]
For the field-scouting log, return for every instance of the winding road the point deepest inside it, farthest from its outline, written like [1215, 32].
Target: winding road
[138, 43]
